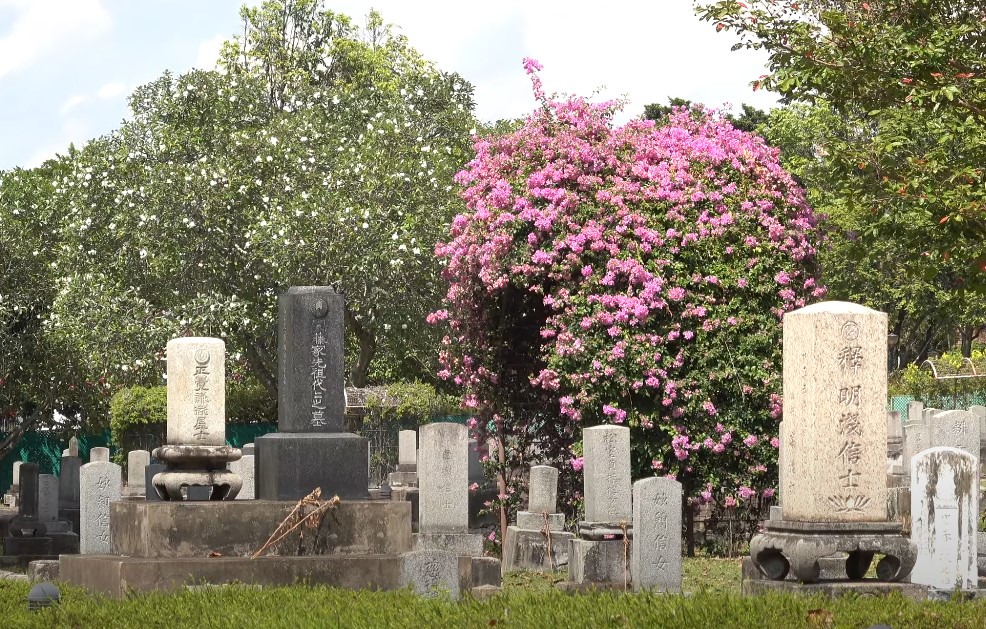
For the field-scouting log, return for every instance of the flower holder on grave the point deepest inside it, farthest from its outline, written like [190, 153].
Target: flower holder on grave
[196, 454]
[834, 480]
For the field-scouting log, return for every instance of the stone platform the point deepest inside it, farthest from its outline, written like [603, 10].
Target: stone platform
[238, 528]
[864, 587]
[117, 576]
[528, 550]
[290, 465]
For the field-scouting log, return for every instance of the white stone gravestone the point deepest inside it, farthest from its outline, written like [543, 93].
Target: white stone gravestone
[606, 474]
[100, 484]
[196, 391]
[137, 460]
[655, 562]
[407, 450]
[956, 429]
[443, 478]
[944, 517]
[99, 454]
[47, 497]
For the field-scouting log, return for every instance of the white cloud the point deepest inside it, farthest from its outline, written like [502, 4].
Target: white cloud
[111, 90]
[73, 101]
[208, 53]
[43, 27]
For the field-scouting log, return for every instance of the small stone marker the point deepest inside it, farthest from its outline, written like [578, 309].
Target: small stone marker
[196, 391]
[407, 451]
[543, 489]
[917, 437]
[100, 485]
[137, 460]
[656, 550]
[97, 455]
[245, 468]
[431, 572]
[17, 473]
[606, 474]
[928, 414]
[944, 517]
[73, 446]
[443, 474]
[310, 389]
[66, 452]
[956, 429]
[835, 395]
[47, 497]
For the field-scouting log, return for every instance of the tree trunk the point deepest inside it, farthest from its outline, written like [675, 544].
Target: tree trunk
[18, 433]
[367, 350]
[261, 362]
[966, 334]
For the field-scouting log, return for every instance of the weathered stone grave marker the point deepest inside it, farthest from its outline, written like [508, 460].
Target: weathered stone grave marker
[656, 552]
[100, 484]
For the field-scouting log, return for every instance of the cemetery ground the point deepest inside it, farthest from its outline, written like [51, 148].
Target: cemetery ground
[711, 599]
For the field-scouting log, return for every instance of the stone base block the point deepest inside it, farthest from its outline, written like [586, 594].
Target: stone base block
[460, 544]
[42, 570]
[830, 569]
[407, 467]
[528, 550]
[290, 465]
[798, 546]
[535, 521]
[599, 561]
[13, 546]
[410, 494]
[866, 587]
[402, 479]
[115, 576]
[484, 592]
[486, 571]
[21, 562]
[238, 528]
[59, 526]
[64, 543]
[70, 515]
[179, 485]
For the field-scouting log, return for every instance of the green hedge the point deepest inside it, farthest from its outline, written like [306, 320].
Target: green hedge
[919, 383]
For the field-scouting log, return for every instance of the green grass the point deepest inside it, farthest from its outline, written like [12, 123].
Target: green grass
[527, 601]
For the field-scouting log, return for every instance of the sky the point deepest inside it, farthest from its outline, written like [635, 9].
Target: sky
[67, 67]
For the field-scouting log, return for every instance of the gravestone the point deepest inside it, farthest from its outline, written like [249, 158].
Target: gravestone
[430, 573]
[137, 460]
[538, 542]
[63, 539]
[928, 414]
[17, 473]
[26, 533]
[656, 552]
[311, 448]
[407, 451]
[196, 455]
[47, 498]
[99, 454]
[944, 517]
[443, 495]
[915, 413]
[956, 429]
[835, 448]
[73, 446]
[68, 488]
[150, 471]
[100, 484]
[245, 469]
[606, 474]
[781, 482]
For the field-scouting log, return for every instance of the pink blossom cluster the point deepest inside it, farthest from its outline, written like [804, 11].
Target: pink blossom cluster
[656, 263]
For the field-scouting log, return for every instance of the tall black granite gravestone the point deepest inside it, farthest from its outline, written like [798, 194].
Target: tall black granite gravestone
[310, 448]
[26, 533]
[68, 485]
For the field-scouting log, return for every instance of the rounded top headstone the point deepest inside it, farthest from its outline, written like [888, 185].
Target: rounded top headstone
[833, 307]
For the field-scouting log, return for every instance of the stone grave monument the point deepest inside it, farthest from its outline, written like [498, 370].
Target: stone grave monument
[100, 485]
[956, 429]
[137, 462]
[10, 498]
[655, 562]
[945, 518]
[311, 448]
[834, 450]
[27, 537]
[99, 454]
[407, 460]
[63, 539]
[601, 555]
[196, 454]
[431, 573]
[68, 486]
[538, 541]
[245, 469]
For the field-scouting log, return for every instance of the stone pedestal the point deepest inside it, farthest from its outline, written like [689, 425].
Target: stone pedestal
[602, 561]
[291, 465]
[535, 551]
[536, 521]
[463, 544]
[797, 546]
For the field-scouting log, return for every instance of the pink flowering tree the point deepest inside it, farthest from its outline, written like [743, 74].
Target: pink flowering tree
[631, 275]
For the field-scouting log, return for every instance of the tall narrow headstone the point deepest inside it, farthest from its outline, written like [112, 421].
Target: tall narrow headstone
[944, 517]
[917, 437]
[47, 497]
[915, 412]
[245, 468]
[99, 454]
[407, 451]
[956, 429]
[68, 487]
[928, 414]
[100, 485]
[606, 474]
[543, 489]
[196, 391]
[443, 474]
[781, 478]
[311, 448]
[17, 473]
[656, 550]
[28, 484]
[73, 446]
[835, 395]
[137, 460]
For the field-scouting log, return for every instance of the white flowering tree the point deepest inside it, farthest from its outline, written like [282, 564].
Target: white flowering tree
[322, 154]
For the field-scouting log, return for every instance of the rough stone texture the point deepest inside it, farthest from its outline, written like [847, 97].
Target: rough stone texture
[196, 391]
[917, 437]
[248, 449]
[68, 482]
[928, 415]
[407, 450]
[535, 521]
[484, 571]
[606, 473]
[528, 550]
[99, 486]
[42, 570]
[73, 446]
[605, 561]
[245, 468]
[832, 589]
[238, 528]
[290, 465]
[655, 562]
[944, 517]
[17, 473]
[980, 412]
[47, 497]
[542, 492]
[430, 573]
[99, 454]
[460, 544]
[310, 337]
[115, 576]
[956, 429]
[915, 413]
[137, 460]
[443, 478]
[835, 395]
[781, 478]
[404, 479]
[485, 592]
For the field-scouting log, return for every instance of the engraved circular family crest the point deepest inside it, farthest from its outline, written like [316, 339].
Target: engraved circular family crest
[202, 356]
[850, 331]
[319, 308]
